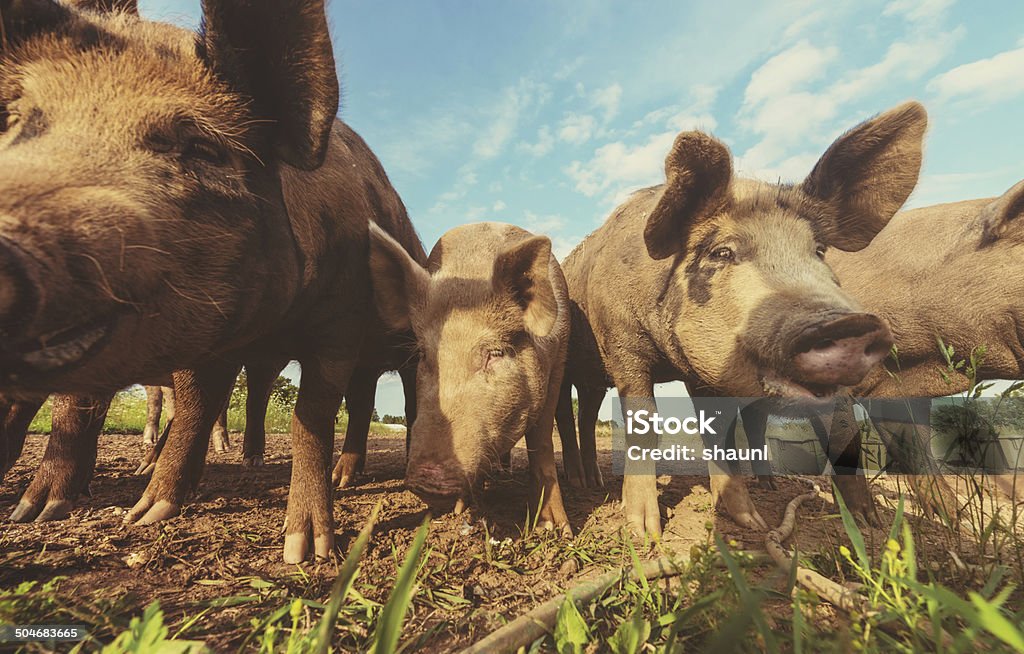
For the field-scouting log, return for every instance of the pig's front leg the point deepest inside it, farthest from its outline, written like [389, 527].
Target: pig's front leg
[590, 405]
[571, 461]
[310, 517]
[69, 461]
[260, 377]
[755, 425]
[728, 487]
[543, 473]
[199, 396]
[362, 389]
[639, 482]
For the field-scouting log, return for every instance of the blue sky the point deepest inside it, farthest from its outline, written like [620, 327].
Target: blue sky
[547, 114]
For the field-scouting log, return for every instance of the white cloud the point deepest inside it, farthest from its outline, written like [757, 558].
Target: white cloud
[438, 134]
[786, 71]
[499, 206]
[907, 60]
[465, 179]
[543, 145]
[918, 10]
[694, 114]
[791, 118]
[804, 23]
[618, 167]
[995, 79]
[543, 224]
[567, 69]
[608, 99]
[577, 128]
[507, 113]
[935, 188]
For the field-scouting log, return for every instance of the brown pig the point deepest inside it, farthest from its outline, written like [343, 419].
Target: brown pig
[491, 317]
[172, 200]
[722, 282]
[948, 272]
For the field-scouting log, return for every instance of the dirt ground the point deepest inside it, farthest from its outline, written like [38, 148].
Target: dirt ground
[227, 542]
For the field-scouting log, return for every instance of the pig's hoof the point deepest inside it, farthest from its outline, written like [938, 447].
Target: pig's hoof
[147, 512]
[28, 511]
[255, 461]
[857, 497]
[296, 546]
[767, 482]
[349, 466]
[564, 530]
[55, 510]
[735, 499]
[593, 478]
[25, 511]
[574, 475]
[643, 516]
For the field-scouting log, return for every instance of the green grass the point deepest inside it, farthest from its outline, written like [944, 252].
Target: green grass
[294, 625]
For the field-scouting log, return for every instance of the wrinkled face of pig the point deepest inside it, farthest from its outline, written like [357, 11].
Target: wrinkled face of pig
[139, 183]
[477, 320]
[753, 303]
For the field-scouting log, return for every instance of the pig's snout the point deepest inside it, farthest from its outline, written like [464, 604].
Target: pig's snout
[19, 288]
[841, 352]
[438, 485]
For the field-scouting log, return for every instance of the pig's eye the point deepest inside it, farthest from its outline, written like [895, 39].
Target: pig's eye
[204, 150]
[722, 254]
[820, 251]
[492, 357]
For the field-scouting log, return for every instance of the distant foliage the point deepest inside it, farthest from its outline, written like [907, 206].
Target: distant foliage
[284, 392]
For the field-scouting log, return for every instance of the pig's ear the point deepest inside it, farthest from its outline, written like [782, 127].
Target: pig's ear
[107, 6]
[1003, 214]
[868, 173]
[697, 175]
[278, 52]
[523, 272]
[22, 19]
[398, 281]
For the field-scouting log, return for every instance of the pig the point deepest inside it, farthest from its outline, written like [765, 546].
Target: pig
[721, 282]
[490, 313]
[179, 201]
[939, 272]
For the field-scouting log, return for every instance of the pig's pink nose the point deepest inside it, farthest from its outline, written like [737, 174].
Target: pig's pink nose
[842, 351]
[436, 484]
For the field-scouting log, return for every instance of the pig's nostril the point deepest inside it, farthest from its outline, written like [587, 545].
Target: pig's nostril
[824, 345]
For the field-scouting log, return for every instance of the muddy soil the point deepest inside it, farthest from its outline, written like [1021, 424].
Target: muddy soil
[227, 544]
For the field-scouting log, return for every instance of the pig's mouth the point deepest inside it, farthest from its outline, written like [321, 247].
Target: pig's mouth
[776, 385]
[56, 350]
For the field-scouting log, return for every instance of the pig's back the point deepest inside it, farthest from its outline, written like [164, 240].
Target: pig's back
[914, 245]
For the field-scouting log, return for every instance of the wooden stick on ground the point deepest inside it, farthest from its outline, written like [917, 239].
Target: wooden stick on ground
[843, 598]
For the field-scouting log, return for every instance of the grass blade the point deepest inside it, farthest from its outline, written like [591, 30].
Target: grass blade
[342, 584]
[389, 625]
